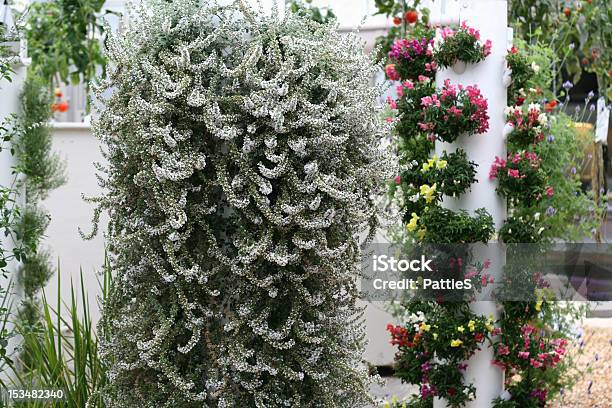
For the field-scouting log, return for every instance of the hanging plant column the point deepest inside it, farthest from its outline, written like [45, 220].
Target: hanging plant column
[243, 162]
[487, 76]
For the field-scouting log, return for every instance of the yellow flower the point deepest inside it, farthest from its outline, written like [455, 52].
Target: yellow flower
[460, 329]
[471, 325]
[538, 305]
[489, 327]
[440, 164]
[456, 343]
[421, 233]
[428, 192]
[435, 336]
[413, 222]
[425, 327]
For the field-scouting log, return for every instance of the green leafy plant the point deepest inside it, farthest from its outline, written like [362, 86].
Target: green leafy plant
[6, 66]
[577, 34]
[411, 58]
[528, 126]
[519, 229]
[520, 177]
[64, 41]
[444, 226]
[454, 111]
[460, 44]
[42, 171]
[433, 346]
[323, 16]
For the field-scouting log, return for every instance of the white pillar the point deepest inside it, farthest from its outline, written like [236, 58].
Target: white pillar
[490, 17]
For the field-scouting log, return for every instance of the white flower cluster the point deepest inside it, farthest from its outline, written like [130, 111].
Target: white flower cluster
[244, 161]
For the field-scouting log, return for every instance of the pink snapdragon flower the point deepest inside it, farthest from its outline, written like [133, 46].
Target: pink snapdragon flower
[535, 363]
[523, 354]
[400, 91]
[391, 102]
[470, 30]
[514, 173]
[487, 48]
[446, 32]
[503, 350]
[427, 101]
[499, 163]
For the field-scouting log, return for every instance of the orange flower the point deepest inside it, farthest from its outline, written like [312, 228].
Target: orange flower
[550, 106]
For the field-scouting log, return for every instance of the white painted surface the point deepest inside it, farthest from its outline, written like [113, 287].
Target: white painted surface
[75, 144]
[482, 149]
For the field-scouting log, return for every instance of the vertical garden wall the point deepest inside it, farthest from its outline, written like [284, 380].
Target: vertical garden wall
[244, 161]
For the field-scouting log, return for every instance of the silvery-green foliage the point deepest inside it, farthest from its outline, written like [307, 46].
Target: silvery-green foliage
[244, 161]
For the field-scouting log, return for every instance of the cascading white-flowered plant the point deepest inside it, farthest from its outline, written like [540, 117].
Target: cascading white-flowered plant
[244, 162]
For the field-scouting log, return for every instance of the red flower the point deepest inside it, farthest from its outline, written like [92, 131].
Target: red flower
[567, 12]
[479, 337]
[411, 16]
[550, 191]
[398, 179]
[550, 106]
[62, 106]
[520, 100]
[391, 72]
[397, 20]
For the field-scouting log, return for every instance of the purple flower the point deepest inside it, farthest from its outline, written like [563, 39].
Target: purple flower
[590, 95]
[592, 107]
[573, 170]
[572, 46]
[577, 109]
[550, 211]
[550, 138]
[567, 85]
